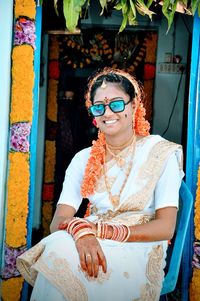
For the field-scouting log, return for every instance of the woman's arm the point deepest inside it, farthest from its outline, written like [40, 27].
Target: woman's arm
[62, 213]
[161, 228]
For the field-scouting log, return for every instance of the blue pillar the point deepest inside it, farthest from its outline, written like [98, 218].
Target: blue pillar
[193, 151]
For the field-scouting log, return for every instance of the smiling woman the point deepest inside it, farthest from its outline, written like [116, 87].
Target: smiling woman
[132, 180]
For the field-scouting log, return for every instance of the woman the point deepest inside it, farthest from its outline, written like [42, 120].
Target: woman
[132, 180]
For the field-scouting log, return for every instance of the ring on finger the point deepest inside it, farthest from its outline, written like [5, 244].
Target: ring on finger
[88, 256]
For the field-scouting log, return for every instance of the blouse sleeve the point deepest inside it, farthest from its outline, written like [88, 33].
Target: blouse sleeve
[167, 188]
[71, 192]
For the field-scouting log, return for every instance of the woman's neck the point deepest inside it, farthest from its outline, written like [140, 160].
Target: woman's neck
[120, 143]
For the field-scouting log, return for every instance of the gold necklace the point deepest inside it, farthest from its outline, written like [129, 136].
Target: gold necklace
[118, 157]
[122, 146]
[115, 199]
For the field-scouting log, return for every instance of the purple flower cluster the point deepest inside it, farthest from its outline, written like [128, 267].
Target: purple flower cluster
[10, 269]
[196, 256]
[19, 137]
[25, 32]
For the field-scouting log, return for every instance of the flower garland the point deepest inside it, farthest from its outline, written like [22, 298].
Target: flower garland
[149, 72]
[195, 282]
[20, 127]
[50, 143]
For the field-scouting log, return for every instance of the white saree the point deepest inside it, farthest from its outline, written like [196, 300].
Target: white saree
[134, 270]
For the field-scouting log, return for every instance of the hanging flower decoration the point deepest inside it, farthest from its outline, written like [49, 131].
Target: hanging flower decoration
[149, 71]
[195, 282]
[10, 269]
[21, 114]
[196, 256]
[50, 143]
[54, 71]
[25, 32]
[19, 135]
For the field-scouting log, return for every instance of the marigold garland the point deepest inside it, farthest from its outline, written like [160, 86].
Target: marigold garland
[94, 166]
[195, 282]
[50, 157]
[25, 8]
[20, 120]
[11, 289]
[52, 106]
[50, 151]
[47, 213]
[18, 188]
[22, 83]
[197, 209]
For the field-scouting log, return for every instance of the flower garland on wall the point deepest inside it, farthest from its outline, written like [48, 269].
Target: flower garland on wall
[50, 143]
[149, 72]
[195, 283]
[19, 152]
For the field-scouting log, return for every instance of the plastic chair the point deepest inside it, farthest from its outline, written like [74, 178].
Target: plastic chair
[185, 208]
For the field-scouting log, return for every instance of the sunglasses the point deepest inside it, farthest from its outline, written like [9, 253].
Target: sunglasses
[115, 106]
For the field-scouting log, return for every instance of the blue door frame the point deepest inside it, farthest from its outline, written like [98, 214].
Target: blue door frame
[193, 151]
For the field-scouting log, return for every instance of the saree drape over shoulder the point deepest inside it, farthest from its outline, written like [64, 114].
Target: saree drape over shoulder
[134, 269]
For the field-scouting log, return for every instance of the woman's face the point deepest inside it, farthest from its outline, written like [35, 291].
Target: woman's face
[111, 123]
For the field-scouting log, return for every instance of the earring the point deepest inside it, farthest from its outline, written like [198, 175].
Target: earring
[94, 122]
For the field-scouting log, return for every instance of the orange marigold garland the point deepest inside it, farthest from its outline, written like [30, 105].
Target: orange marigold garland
[195, 283]
[20, 124]
[94, 166]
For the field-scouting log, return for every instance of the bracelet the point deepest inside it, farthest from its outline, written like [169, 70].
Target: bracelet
[82, 233]
[120, 232]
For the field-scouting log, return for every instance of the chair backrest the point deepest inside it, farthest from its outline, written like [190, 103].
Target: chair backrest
[185, 208]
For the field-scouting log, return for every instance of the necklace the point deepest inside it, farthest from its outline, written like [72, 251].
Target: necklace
[115, 199]
[119, 158]
[122, 146]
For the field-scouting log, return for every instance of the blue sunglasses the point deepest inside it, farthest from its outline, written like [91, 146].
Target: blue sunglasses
[116, 106]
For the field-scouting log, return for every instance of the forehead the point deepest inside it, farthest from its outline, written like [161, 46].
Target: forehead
[111, 91]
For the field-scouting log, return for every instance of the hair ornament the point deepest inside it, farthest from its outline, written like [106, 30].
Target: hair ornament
[103, 86]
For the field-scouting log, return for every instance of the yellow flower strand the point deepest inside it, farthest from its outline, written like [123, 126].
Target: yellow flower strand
[25, 8]
[18, 188]
[22, 84]
[195, 282]
[50, 159]
[52, 106]
[11, 289]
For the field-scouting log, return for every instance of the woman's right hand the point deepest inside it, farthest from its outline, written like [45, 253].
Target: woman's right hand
[91, 255]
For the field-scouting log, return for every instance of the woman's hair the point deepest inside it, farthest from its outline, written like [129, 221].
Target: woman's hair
[114, 78]
[127, 82]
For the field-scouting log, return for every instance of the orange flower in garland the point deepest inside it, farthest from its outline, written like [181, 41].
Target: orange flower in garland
[11, 289]
[25, 8]
[141, 126]
[195, 283]
[94, 166]
[197, 209]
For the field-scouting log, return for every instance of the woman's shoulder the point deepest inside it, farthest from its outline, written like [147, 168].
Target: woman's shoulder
[154, 139]
[82, 155]
[149, 140]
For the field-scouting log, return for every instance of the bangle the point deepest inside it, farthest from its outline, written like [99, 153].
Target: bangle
[82, 233]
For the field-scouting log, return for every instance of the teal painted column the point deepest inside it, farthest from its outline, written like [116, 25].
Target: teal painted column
[193, 151]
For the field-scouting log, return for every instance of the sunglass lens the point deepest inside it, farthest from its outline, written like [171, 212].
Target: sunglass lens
[97, 110]
[117, 105]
